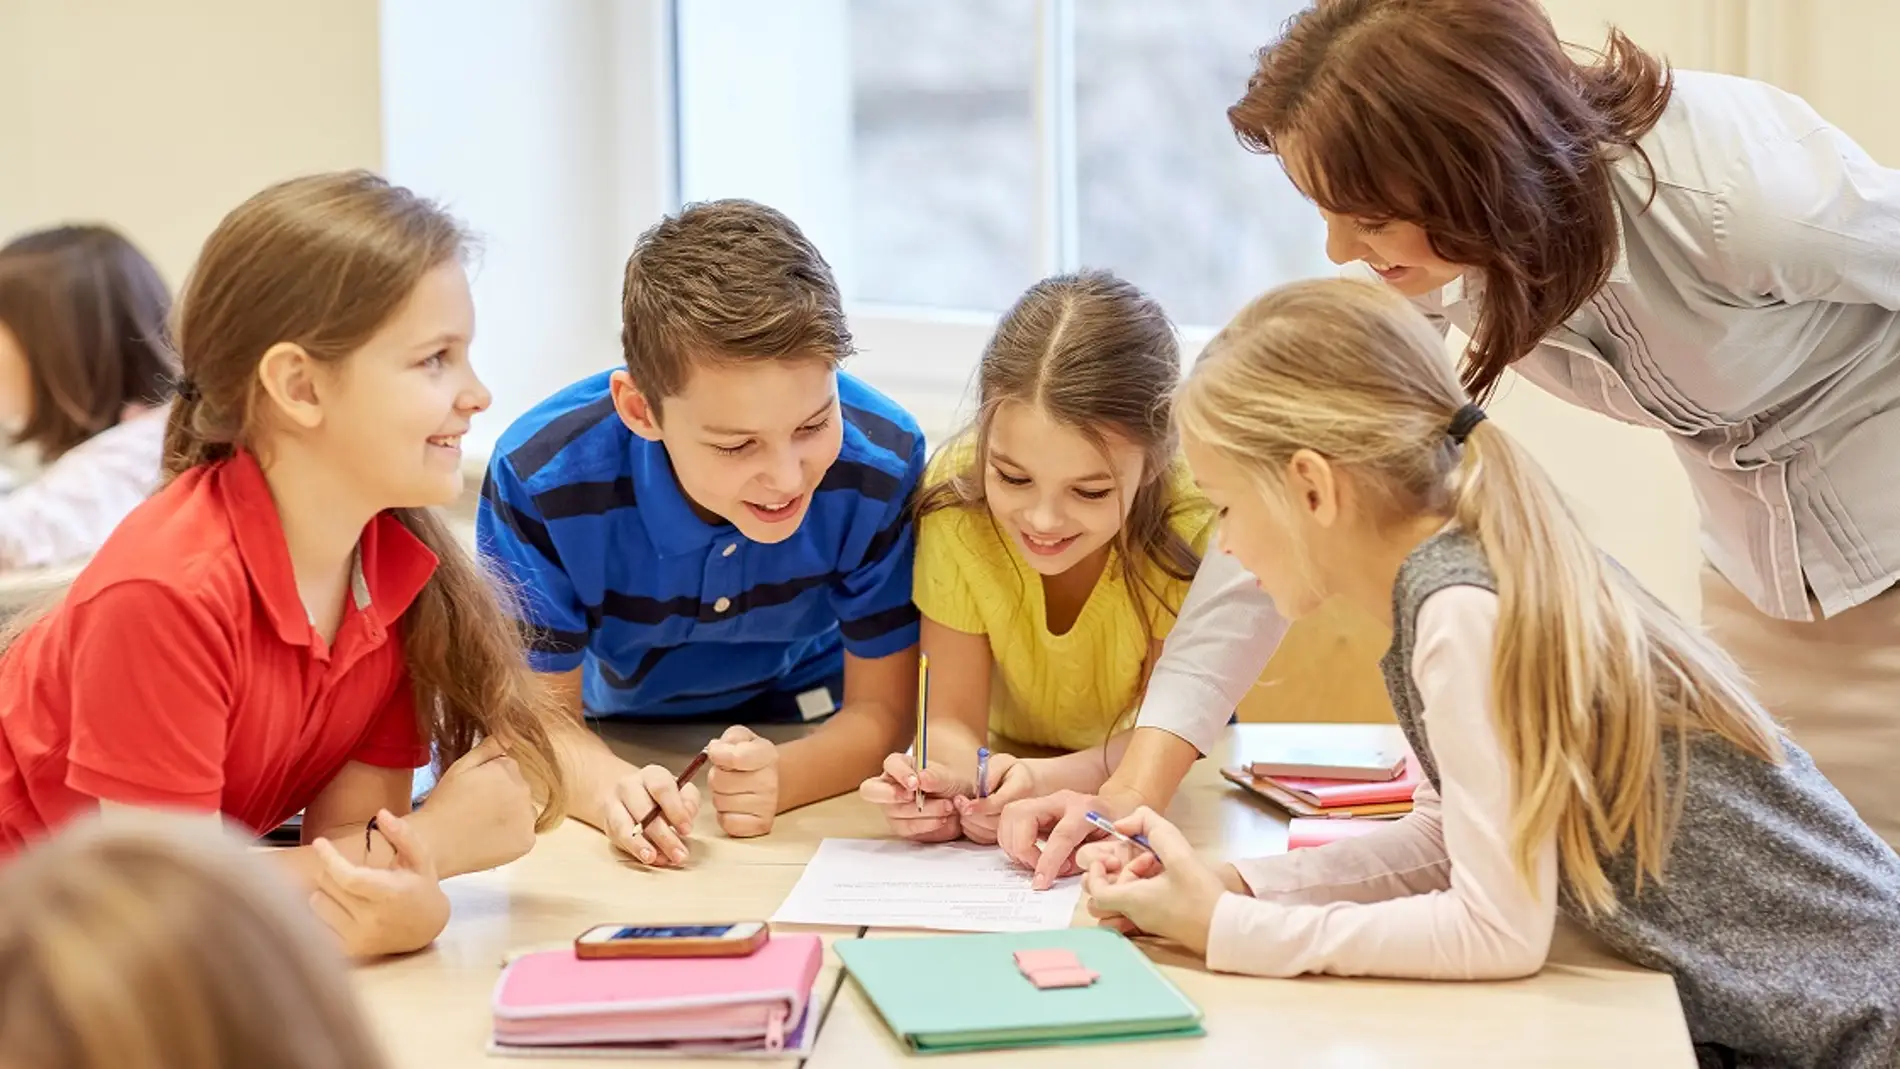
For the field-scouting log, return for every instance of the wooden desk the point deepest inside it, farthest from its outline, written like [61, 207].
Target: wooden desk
[1585, 1009]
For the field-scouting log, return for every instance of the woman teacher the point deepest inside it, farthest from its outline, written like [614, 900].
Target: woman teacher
[1695, 253]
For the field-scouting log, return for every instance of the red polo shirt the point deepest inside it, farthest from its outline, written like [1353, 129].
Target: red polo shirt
[181, 671]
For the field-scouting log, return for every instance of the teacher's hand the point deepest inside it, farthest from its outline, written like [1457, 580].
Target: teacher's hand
[1059, 820]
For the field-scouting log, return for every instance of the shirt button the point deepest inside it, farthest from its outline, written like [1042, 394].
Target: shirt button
[730, 546]
[722, 604]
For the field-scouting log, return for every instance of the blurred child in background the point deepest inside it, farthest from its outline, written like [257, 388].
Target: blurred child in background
[85, 375]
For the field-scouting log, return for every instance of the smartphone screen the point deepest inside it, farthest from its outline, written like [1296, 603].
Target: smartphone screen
[681, 931]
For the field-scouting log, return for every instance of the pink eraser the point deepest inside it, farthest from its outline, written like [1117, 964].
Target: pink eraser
[1052, 958]
[1046, 979]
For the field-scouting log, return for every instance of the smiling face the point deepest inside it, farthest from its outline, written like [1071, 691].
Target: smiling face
[1401, 252]
[1057, 495]
[395, 410]
[749, 440]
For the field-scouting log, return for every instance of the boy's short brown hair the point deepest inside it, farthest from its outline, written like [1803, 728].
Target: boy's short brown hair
[726, 280]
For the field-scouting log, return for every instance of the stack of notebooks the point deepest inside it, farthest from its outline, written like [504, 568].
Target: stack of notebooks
[1327, 770]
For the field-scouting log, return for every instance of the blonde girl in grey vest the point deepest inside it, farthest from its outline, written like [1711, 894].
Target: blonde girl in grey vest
[1587, 754]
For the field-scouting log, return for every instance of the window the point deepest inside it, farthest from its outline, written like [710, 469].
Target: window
[943, 151]
[1164, 193]
[946, 155]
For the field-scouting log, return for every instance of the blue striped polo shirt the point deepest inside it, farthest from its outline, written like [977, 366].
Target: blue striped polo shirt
[673, 616]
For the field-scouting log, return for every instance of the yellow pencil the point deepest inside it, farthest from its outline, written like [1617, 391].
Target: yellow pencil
[921, 749]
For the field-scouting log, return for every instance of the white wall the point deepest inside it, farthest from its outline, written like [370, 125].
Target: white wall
[527, 119]
[159, 118]
[1839, 55]
[544, 125]
[1836, 53]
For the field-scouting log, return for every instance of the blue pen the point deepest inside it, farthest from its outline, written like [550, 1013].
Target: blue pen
[982, 771]
[1109, 828]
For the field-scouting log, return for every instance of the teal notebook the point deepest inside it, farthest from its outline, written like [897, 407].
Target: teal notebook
[963, 992]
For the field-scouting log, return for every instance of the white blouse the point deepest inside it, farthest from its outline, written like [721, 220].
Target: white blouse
[65, 511]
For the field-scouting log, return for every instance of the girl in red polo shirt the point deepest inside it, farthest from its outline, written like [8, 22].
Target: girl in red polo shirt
[285, 627]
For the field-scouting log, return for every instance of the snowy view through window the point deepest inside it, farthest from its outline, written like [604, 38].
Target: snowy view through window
[944, 167]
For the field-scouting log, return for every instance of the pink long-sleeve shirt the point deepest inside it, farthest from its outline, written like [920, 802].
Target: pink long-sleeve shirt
[1435, 895]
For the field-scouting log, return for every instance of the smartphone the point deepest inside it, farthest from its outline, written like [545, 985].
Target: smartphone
[671, 941]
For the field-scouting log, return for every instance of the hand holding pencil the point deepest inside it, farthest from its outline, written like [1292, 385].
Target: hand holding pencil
[1003, 778]
[648, 812]
[952, 803]
[915, 795]
[926, 813]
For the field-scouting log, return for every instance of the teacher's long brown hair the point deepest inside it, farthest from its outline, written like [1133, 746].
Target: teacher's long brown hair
[1470, 119]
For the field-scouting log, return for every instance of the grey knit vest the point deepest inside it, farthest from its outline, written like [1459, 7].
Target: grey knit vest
[1779, 910]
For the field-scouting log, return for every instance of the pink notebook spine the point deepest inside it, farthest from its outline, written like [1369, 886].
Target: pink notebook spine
[1336, 792]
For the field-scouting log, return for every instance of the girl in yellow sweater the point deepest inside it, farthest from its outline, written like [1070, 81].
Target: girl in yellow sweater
[1055, 542]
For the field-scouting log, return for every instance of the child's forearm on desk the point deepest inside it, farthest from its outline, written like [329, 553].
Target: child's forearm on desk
[588, 765]
[589, 768]
[843, 752]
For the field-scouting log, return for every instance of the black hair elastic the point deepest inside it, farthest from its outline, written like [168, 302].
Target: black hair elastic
[1465, 422]
[186, 389]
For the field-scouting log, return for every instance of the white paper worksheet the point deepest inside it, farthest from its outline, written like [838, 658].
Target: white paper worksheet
[950, 887]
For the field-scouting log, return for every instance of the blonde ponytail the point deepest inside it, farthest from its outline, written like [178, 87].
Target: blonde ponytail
[1578, 638]
[1592, 675]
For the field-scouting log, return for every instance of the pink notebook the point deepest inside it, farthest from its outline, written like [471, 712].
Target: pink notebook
[553, 998]
[1327, 793]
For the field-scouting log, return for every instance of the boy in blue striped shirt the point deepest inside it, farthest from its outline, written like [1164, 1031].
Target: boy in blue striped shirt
[721, 528]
